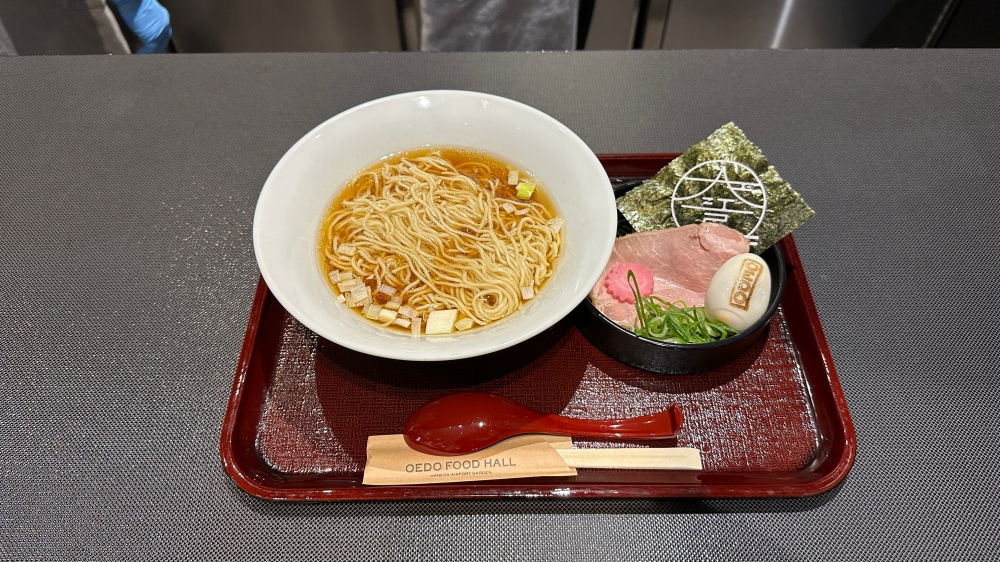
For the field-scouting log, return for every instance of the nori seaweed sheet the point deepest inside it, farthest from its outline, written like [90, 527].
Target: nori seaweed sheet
[726, 179]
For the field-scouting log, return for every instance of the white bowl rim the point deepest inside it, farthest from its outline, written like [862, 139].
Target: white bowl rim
[604, 249]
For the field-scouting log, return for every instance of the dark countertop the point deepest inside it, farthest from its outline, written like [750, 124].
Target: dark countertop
[127, 190]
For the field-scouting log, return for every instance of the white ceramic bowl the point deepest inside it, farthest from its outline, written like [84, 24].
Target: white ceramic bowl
[308, 177]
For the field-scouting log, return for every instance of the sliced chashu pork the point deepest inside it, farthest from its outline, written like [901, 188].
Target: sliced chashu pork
[682, 261]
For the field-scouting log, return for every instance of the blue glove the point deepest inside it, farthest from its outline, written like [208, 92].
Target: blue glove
[149, 21]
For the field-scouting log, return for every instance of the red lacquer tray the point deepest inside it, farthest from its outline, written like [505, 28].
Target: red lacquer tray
[772, 424]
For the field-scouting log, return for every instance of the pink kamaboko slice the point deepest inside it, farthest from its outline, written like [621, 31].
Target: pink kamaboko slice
[617, 285]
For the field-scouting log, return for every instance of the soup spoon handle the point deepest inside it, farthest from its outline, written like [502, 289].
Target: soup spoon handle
[661, 425]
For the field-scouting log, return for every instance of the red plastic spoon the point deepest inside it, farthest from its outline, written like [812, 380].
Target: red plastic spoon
[466, 422]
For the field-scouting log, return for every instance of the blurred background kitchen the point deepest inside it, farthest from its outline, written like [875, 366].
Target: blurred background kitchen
[63, 27]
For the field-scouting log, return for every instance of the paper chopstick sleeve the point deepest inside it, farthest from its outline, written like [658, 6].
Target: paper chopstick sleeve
[392, 462]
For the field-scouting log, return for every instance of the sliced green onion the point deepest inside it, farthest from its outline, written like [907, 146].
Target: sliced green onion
[657, 319]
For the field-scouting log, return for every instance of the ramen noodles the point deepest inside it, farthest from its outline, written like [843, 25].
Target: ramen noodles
[437, 240]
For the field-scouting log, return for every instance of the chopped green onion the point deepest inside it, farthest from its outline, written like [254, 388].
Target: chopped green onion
[524, 190]
[657, 319]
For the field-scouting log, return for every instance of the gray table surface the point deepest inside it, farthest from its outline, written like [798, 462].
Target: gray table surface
[127, 189]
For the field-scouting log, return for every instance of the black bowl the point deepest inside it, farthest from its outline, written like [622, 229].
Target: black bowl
[673, 358]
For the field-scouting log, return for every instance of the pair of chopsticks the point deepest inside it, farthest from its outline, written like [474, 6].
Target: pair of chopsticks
[672, 458]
